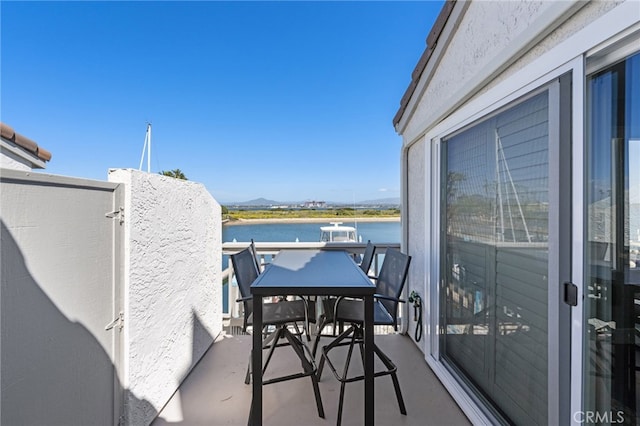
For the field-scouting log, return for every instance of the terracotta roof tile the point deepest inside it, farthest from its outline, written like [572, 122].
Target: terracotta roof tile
[23, 142]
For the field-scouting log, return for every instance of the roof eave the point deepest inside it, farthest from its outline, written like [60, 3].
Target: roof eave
[19, 152]
[23, 144]
[432, 40]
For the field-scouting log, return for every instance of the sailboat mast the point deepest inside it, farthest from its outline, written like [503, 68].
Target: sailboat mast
[147, 148]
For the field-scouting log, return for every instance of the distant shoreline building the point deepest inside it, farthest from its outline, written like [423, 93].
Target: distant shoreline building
[314, 205]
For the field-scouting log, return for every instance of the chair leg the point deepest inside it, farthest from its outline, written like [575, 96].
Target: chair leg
[358, 338]
[265, 343]
[394, 377]
[316, 392]
[333, 344]
[274, 343]
[308, 367]
[320, 327]
[247, 378]
[343, 383]
[300, 333]
[341, 403]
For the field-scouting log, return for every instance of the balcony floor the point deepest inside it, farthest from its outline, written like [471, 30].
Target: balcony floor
[215, 394]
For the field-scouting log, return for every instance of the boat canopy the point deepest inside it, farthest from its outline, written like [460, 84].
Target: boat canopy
[337, 233]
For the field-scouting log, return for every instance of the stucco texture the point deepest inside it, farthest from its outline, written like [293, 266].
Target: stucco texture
[486, 29]
[587, 14]
[416, 224]
[173, 299]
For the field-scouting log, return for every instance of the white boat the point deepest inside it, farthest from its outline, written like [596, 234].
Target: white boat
[338, 233]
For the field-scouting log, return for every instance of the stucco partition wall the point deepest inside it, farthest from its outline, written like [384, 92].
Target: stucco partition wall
[173, 301]
[416, 224]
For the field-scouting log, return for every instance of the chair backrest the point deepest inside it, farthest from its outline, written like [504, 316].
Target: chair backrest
[246, 272]
[391, 279]
[367, 257]
[255, 254]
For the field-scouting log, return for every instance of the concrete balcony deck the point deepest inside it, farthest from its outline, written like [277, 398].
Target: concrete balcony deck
[215, 394]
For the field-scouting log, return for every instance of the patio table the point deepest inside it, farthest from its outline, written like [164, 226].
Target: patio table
[313, 273]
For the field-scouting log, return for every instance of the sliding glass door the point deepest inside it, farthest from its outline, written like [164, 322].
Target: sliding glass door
[494, 294]
[612, 260]
[499, 267]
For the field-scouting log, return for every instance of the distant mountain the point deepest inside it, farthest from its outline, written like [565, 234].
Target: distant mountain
[257, 202]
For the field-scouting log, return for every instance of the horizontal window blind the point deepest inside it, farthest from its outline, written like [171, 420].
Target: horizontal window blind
[495, 289]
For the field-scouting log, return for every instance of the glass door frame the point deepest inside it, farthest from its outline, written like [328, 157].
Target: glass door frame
[578, 215]
[598, 59]
[561, 346]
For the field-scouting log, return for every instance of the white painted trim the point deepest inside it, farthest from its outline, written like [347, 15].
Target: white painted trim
[608, 26]
[615, 49]
[404, 229]
[577, 231]
[35, 177]
[434, 261]
[553, 261]
[458, 393]
[426, 290]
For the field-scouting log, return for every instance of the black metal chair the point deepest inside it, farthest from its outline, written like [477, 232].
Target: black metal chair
[311, 303]
[328, 304]
[389, 287]
[260, 265]
[278, 316]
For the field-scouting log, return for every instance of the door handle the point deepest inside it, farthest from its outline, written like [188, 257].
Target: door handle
[570, 294]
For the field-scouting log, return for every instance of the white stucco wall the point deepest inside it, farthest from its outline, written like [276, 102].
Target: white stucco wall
[583, 17]
[416, 227]
[475, 44]
[173, 295]
[488, 34]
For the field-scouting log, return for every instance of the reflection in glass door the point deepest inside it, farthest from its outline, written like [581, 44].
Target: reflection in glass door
[612, 262]
[495, 285]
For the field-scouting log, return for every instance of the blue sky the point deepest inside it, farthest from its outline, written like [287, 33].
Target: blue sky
[282, 100]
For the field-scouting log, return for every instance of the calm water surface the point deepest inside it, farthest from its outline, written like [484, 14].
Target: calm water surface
[380, 232]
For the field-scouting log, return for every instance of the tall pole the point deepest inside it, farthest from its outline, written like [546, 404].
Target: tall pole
[149, 150]
[146, 147]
